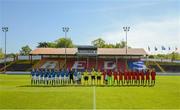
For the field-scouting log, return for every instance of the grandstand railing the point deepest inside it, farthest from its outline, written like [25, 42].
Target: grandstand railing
[161, 60]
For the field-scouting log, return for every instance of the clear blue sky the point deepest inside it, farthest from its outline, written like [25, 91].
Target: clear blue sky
[152, 22]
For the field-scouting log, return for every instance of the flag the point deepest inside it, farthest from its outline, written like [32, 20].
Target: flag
[155, 48]
[149, 48]
[169, 48]
[176, 48]
[163, 48]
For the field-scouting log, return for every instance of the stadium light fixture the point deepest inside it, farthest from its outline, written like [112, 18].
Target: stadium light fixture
[5, 29]
[65, 30]
[126, 29]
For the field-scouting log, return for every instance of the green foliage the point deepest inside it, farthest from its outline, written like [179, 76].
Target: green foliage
[59, 43]
[25, 50]
[1, 53]
[11, 55]
[52, 45]
[42, 45]
[100, 43]
[64, 42]
[173, 56]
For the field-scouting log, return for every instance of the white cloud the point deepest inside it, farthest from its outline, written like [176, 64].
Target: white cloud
[144, 34]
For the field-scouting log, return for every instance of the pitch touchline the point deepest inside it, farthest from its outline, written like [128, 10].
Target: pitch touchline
[94, 98]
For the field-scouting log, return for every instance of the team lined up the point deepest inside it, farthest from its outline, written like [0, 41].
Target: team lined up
[92, 77]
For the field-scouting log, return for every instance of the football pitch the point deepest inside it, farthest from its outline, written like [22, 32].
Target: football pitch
[14, 94]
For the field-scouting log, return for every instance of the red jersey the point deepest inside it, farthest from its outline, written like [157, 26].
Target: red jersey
[147, 75]
[125, 75]
[109, 74]
[115, 75]
[142, 75]
[129, 75]
[104, 75]
[137, 75]
[120, 76]
[133, 75]
[153, 74]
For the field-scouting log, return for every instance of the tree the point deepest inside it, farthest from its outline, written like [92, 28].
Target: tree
[25, 50]
[121, 44]
[42, 45]
[1, 53]
[64, 42]
[99, 43]
[51, 45]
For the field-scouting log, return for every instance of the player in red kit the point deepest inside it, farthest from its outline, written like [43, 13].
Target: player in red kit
[129, 77]
[147, 77]
[142, 77]
[115, 74]
[125, 77]
[105, 77]
[120, 82]
[153, 75]
[133, 77]
[138, 77]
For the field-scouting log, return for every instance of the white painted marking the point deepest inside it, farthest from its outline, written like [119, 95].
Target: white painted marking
[94, 98]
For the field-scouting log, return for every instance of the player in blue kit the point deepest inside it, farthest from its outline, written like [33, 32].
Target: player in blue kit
[58, 75]
[41, 72]
[62, 76]
[67, 76]
[75, 76]
[46, 76]
[33, 76]
[49, 77]
[53, 76]
[79, 77]
[37, 77]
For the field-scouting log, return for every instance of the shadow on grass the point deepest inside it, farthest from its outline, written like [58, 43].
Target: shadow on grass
[84, 86]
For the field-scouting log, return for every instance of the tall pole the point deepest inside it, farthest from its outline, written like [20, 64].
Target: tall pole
[126, 29]
[65, 30]
[5, 29]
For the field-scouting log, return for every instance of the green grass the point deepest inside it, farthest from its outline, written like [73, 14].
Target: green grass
[166, 95]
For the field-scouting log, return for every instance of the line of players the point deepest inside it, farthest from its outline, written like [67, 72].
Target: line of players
[93, 77]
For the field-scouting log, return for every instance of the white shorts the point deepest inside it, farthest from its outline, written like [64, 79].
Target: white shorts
[46, 78]
[67, 78]
[33, 77]
[37, 78]
[53, 78]
[41, 78]
[75, 78]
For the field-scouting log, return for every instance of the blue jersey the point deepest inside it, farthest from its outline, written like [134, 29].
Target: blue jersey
[75, 73]
[53, 74]
[62, 73]
[46, 74]
[58, 73]
[41, 73]
[67, 73]
[32, 73]
[37, 73]
[49, 74]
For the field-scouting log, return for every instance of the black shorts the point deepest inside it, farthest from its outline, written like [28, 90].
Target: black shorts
[92, 77]
[86, 78]
[98, 77]
[71, 77]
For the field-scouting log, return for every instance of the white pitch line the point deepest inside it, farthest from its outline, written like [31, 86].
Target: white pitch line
[94, 98]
